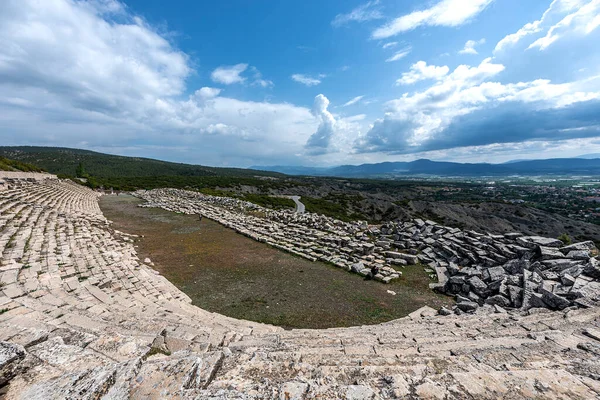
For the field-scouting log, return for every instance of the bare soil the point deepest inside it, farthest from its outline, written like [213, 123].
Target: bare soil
[228, 273]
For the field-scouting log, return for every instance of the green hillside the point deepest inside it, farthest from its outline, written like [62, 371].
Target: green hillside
[65, 161]
[12, 165]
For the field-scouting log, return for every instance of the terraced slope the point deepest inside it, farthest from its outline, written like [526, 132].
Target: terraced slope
[82, 317]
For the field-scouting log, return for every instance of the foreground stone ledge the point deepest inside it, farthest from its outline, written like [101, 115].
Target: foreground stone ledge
[82, 317]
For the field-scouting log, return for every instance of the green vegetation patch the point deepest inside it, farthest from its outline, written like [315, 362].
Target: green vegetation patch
[13, 165]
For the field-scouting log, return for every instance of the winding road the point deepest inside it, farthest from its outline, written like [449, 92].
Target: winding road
[299, 206]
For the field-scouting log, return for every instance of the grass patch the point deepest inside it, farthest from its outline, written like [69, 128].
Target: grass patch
[155, 350]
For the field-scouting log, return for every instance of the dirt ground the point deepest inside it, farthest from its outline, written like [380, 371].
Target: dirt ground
[228, 273]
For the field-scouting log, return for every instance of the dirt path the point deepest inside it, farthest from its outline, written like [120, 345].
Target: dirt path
[228, 273]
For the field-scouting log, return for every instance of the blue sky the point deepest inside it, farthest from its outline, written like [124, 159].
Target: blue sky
[241, 83]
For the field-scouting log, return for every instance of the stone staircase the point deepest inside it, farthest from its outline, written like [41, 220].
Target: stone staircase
[82, 317]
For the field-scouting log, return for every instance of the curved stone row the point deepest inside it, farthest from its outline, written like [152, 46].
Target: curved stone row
[82, 317]
[311, 236]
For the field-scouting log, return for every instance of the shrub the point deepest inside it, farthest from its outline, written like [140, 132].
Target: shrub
[566, 239]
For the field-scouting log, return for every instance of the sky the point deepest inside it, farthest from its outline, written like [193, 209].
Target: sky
[315, 83]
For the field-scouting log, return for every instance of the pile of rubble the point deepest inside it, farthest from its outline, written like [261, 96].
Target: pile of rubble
[507, 271]
[82, 317]
[311, 236]
[510, 270]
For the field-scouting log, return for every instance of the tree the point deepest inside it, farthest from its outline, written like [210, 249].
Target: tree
[80, 171]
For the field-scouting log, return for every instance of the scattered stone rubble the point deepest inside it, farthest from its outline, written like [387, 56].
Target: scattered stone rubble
[81, 317]
[312, 236]
[507, 271]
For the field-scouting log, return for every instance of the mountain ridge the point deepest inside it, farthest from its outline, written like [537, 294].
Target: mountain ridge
[553, 166]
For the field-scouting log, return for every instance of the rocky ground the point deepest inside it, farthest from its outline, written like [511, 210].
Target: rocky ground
[381, 201]
[83, 317]
[511, 270]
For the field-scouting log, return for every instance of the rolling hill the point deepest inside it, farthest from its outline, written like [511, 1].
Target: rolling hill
[61, 160]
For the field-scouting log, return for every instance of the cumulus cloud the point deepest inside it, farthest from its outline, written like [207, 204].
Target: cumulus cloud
[465, 108]
[307, 80]
[400, 54]
[470, 46]
[444, 13]
[421, 71]
[353, 101]
[362, 13]
[90, 74]
[229, 74]
[319, 141]
[208, 92]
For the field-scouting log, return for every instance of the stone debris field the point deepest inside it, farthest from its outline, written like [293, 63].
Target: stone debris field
[509, 271]
[81, 316]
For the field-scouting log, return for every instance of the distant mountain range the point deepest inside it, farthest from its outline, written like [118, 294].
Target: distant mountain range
[59, 160]
[556, 166]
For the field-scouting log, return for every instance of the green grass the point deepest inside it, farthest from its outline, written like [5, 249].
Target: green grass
[331, 206]
[156, 350]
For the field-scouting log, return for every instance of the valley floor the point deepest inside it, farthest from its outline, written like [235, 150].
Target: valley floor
[225, 272]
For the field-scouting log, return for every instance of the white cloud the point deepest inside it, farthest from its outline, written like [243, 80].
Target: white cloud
[362, 13]
[421, 71]
[556, 8]
[207, 92]
[307, 80]
[229, 74]
[444, 13]
[400, 54]
[318, 143]
[389, 44]
[258, 79]
[583, 21]
[70, 74]
[470, 46]
[353, 101]
[420, 121]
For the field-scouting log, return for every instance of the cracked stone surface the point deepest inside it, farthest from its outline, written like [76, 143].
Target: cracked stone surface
[83, 317]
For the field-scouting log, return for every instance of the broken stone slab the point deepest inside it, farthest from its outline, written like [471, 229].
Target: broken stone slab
[592, 268]
[494, 273]
[10, 357]
[549, 253]
[455, 284]
[478, 286]
[532, 242]
[467, 306]
[579, 254]
[584, 287]
[559, 265]
[552, 300]
[412, 259]
[587, 245]
[498, 300]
